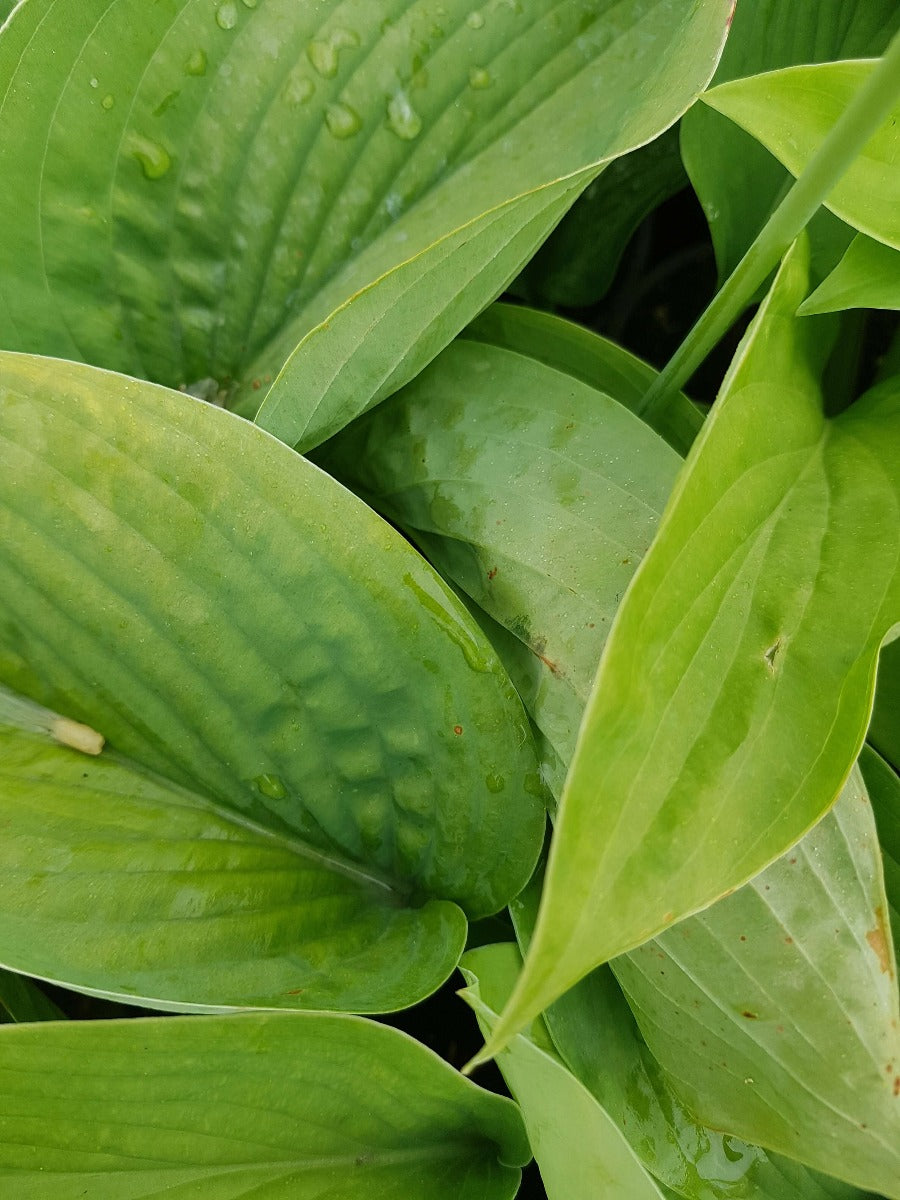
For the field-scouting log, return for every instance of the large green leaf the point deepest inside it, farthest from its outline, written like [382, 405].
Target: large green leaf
[868, 276]
[535, 492]
[884, 731]
[234, 621]
[580, 1150]
[737, 180]
[219, 177]
[883, 786]
[122, 885]
[711, 744]
[22, 1000]
[776, 1012]
[302, 1106]
[595, 1034]
[791, 111]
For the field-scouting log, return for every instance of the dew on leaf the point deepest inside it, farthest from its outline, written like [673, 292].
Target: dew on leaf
[403, 118]
[479, 78]
[107, 102]
[299, 89]
[495, 783]
[250, 3]
[153, 157]
[95, 83]
[342, 120]
[227, 15]
[196, 64]
[324, 54]
[475, 20]
[271, 786]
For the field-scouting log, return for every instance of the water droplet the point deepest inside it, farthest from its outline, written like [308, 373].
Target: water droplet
[250, 3]
[153, 157]
[342, 120]
[403, 118]
[479, 78]
[495, 783]
[166, 103]
[95, 83]
[324, 55]
[227, 15]
[298, 89]
[271, 786]
[475, 20]
[107, 102]
[196, 64]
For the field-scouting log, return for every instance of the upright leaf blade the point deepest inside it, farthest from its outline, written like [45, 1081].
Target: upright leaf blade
[711, 745]
[597, 1037]
[790, 112]
[22, 1000]
[736, 179]
[291, 1105]
[750, 1006]
[868, 276]
[578, 1147]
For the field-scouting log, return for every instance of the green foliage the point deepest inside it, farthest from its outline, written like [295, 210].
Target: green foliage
[281, 732]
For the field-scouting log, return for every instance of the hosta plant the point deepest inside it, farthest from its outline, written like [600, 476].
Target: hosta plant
[356, 626]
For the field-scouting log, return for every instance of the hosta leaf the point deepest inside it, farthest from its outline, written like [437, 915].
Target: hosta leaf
[884, 731]
[737, 180]
[522, 483]
[790, 112]
[883, 786]
[220, 177]
[581, 1152]
[868, 276]
[596, 1035]
[777, 1017]
[22, 1000]
[710, 746]
[299, 1105]
[232, 620]
[124, 886]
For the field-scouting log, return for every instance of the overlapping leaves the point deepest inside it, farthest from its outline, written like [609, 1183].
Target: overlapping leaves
[306, 725]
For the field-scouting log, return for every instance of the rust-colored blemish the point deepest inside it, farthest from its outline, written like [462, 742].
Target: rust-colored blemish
[877, 939]
[552, 666]
[789, 940]
[751, 1016]
[897, 1085]
[457, 729]
[256, 385]
[492, 574]
[295, 992]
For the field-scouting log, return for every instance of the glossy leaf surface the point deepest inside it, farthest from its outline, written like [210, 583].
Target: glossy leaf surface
[736, 179]
[710, 746]
[350, 704]
[595, 1033]
[790, 112]
[868, 276]
[222, 176]
[750, 1006]
[581, 1152]
[305, 1106]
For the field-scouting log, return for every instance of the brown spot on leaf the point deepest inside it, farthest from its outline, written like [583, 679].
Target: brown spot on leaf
[552, 666]
[878, 941]
[897, 1085]
[751, 1016]
[772, 653]
[492, 574]
[457, 729]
